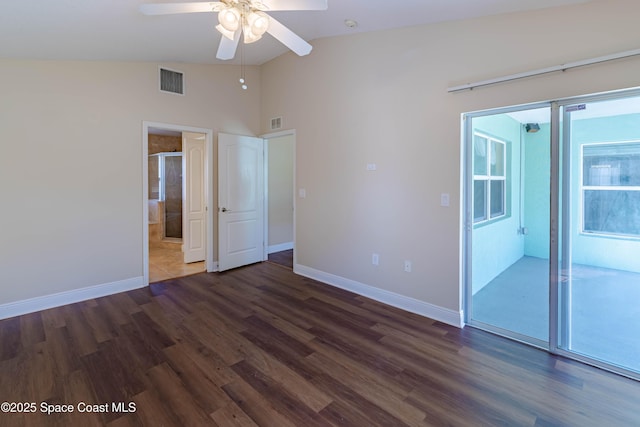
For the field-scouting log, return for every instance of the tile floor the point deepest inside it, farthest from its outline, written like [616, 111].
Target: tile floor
[166, 262]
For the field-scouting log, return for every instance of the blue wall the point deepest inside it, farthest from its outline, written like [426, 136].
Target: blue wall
[537, 182]
[601, 251]
[497, 245]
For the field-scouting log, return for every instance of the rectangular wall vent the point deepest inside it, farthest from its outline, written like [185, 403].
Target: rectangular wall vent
[171, 81]
[276, 123]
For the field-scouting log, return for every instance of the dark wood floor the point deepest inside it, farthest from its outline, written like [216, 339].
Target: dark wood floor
[261, 346]
[284, 258]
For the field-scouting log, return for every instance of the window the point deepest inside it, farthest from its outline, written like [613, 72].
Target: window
[611, 188]
[489, 178]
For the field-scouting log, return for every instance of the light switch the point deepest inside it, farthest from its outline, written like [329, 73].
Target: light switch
[444, 199]
[302, 193]
[371, 166]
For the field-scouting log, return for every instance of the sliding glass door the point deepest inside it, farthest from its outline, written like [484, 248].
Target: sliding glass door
[508, 222]
[552, 220]
[599, 256]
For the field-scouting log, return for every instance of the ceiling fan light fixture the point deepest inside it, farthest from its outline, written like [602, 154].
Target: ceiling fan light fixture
[254, 26]
[258, 22]
[243, 16]
[229, 18]
[226, 33]
[249, 37]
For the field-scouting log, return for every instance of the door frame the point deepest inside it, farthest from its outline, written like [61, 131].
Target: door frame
[467, 223]
[559, 218]
[267, 137]
[208, 191]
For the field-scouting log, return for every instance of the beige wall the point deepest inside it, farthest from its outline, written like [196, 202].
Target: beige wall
[382, 98]
[71, 210]
[280, 190]
[71, 163]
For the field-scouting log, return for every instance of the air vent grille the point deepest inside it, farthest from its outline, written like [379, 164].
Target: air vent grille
[171, 81]
[276, 123]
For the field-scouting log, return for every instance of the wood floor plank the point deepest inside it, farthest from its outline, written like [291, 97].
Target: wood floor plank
[58, 344]
[209, 362]
[287, 378]
[115, 371]
[52, 318]
[349, 406]
[77, 388]
[174, 395]
[10, 337]
[261, 346]
[283, 400]
[370, 389]
[227, 346]
[232, 416]
[102, 329]
[206, 393]
[255, 405]
[152, 410]
[31, 329]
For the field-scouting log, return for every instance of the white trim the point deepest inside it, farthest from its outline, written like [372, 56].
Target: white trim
[280, 247]
[32, 305]
[265, 200]
[412, 305]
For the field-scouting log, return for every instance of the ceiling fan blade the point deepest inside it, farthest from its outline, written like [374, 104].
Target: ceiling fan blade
[273, 5]
[288, 38]
[171, 8]
[227, 48]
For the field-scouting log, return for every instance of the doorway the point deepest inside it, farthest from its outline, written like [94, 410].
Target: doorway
[509, 156]
[280, 173]
[177, 163]
[552, 226]
[598, 259]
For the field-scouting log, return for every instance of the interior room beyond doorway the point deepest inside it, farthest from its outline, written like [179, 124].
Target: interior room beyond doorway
[165, 174]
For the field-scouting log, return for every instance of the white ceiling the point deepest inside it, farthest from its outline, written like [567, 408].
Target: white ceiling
[115, 30]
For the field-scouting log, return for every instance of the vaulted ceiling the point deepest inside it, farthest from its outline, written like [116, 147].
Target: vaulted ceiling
[115, 30]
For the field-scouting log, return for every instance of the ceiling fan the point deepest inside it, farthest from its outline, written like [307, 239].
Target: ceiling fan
[245, 17]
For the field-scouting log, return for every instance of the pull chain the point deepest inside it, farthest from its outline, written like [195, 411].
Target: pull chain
[242, 80]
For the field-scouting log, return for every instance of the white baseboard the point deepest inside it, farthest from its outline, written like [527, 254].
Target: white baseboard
[32, 305]
[412, 305]
[280, 247]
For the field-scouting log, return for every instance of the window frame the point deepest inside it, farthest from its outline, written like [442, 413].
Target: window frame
[489, 178]
[584, 188]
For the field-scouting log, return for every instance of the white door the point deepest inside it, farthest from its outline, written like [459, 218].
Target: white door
[240, 200]
[193, 203]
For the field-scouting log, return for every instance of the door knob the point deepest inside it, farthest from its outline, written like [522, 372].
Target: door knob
[225, 210]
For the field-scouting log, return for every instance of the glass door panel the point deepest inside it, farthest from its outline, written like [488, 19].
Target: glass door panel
[599, 286]
[508, 194]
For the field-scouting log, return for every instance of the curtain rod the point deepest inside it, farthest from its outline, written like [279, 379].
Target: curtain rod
[562, 67]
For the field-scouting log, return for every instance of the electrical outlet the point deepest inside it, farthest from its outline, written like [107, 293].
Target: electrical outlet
[375, 259]
[407, 266]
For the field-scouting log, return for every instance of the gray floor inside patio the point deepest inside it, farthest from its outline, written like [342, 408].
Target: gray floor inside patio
[605, 315]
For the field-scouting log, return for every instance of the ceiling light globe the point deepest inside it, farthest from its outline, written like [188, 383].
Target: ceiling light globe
[229, 19]
[258, 23]
[249, 36]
